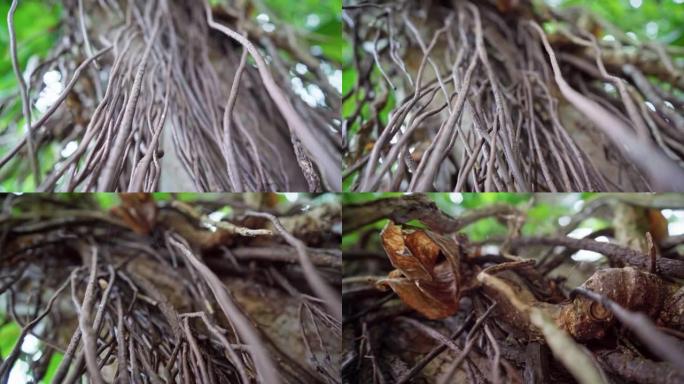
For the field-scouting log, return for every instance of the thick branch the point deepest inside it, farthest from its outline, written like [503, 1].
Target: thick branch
[670, 267]
[415, 207]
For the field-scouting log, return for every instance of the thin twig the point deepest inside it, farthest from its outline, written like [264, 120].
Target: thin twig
[329, 296]
[265, 366]
[85, 320]
[26, 102]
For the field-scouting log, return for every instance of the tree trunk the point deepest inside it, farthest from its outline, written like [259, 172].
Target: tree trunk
[180, 85]
[159, 291]
[477, 96]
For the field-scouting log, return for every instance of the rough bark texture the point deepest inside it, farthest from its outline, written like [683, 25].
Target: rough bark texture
[469, 312]
[486, 100]
[160, 292]
[181, 85]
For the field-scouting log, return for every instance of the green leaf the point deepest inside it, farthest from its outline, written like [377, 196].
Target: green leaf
[53, 365]
[349, 181]
[9, 335]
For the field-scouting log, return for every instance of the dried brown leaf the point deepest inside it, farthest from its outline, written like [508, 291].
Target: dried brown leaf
[434, 299]
[422, 247]
[429, 287]
[413, 266]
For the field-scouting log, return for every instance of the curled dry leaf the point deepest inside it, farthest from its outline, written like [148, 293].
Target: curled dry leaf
[420, 279]
[412, 253]
[428, 279]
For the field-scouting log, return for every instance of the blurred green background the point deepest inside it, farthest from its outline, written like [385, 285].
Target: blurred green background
[545, 213]
[660, 20]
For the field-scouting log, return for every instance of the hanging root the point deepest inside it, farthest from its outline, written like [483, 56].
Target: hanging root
[149, 292]
[167, 97]
[485, 100]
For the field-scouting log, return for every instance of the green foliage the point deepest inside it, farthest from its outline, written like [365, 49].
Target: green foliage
[350, 240]
[35, 25]
[350, 105]
[318, 22]
[543, 212]
[226, 211]
[484, 229]
[9, 334]
[476, 200]
[53, 365]
[595, 224]
[354, 198]
[348, 80]
[456, 204]
[543, 218]
[107, 200]
[662, 20]
[349, 181]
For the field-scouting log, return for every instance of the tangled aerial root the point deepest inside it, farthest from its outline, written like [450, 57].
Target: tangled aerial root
[183, 71]
[487, 101]
[151, 290]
